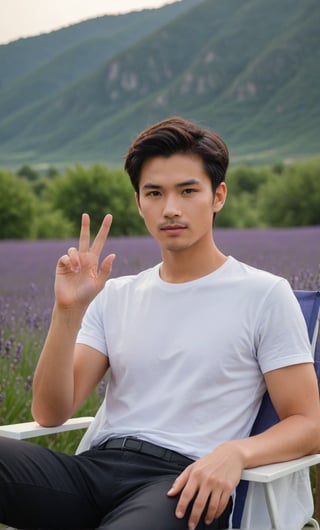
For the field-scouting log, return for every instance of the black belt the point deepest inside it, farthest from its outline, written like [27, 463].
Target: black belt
[147, 448]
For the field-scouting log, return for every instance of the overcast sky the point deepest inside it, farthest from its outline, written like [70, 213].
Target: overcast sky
[23, 18]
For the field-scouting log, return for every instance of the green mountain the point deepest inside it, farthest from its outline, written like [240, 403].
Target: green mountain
[249, 69]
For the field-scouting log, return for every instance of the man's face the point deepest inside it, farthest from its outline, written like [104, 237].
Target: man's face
[176, 201]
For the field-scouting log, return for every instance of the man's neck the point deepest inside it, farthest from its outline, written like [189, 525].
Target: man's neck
[186, 265]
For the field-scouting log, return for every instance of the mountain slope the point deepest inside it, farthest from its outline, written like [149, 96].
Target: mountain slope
[21, 57]
[45, 65]
[248, 69]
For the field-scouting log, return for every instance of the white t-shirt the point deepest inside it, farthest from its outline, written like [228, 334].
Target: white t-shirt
[187, 359]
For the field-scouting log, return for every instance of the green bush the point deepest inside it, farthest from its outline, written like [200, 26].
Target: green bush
[97, 190]
[17, 207]
[293, 197]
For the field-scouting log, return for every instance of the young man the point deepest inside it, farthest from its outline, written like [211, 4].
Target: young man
[191, 345]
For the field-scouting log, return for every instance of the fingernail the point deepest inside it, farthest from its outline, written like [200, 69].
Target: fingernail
[191, 526]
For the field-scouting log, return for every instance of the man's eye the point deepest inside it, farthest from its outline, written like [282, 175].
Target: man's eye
[188, 191]
[153, 193]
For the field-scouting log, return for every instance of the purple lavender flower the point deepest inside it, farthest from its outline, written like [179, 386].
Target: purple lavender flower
[7, 349]
[18, 353]
[28, 383]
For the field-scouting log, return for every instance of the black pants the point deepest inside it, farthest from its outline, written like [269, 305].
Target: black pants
[109, 489]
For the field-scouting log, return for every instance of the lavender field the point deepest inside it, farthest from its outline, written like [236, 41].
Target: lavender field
[26, 292]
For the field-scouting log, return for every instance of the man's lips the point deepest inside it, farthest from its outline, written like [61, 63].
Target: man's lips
[172, 227]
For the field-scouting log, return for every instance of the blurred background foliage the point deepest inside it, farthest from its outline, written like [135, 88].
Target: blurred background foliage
[49, 205]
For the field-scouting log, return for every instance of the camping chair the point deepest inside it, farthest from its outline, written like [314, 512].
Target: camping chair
[260, 495]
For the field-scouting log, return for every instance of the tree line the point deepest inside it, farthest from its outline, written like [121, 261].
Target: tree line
[49, 205]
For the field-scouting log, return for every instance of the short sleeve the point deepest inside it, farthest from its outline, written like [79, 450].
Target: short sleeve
[281, 330]
[92, 332]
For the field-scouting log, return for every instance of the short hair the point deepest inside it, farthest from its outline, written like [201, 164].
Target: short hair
[177, 135]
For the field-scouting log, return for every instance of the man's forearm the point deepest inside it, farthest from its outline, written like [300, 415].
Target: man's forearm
[53, 383]
[291, 438]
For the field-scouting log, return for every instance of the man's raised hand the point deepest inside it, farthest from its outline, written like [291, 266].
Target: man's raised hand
[78, 275]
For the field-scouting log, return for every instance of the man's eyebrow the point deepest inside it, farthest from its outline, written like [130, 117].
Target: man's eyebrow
[189, 182]
[150, 185]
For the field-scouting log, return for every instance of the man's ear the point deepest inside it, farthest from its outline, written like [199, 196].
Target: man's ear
[220, 197]
[136, 196]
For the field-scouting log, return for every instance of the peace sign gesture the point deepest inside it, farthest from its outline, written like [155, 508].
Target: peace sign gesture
[78, 275]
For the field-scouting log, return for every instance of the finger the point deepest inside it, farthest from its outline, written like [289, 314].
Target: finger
[176, 488]
[179, 483]
[217, 504]
[84, 239]
[64, 263]
[102, 235]
[106, 267]
[184, 502]
[198, 507]
[187, 495]
[217, 507]
[74, 259]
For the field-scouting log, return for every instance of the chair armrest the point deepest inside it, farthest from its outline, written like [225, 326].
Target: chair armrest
[272, 472]
[31, 429]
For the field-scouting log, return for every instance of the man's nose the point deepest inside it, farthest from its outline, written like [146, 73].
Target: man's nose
[172, 207]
